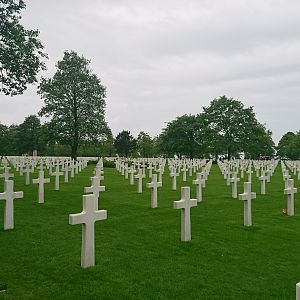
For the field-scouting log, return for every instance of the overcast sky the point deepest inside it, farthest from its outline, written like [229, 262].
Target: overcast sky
[162, 59]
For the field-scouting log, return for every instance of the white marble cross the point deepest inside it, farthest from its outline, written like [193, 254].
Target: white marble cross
[87, 218]
[126, 169]
[41, 181]
[95, 188]
[140, 177]
[234, 180]
[185, 205]
[249, 172]
[131, 174]
[66, 177]
[8, 196]
[150, 168]
[154, 185]
[27, 171]
[184, 170]
[6, 175]
[263, 178]
[290, 190]
[174, 175]
[57, 173]
[247, 197]
[198, 182]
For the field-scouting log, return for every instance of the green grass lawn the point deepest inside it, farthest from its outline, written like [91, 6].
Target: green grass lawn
[139, 254]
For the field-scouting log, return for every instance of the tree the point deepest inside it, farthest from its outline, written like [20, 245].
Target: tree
[232, 126]
[8, 140]
[20, 50]
[259, 142]
[179, 137]
[125, 143]
[289, 146]
[28, 135]
[144, 144]
[75, 100]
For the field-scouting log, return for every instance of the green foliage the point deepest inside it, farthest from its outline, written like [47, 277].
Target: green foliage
[289, 146]
[144, 144]
[108, 164]
[8, 140]
[234, 128]
[179, 137]
[28, 135]
[20, 50]
[125, 143]
[75, 101]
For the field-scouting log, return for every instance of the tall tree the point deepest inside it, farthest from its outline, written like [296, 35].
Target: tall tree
[179, 137]
[28, 135]
[75, 100]
[231, 124]
[125, 143]
[289, 146]
[8, 140]
[21, 56]
[144, 144]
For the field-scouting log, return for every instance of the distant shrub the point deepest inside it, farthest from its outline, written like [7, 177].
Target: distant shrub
[109, 164]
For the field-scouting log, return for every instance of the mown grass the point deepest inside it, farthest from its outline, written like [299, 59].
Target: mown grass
[139, 254]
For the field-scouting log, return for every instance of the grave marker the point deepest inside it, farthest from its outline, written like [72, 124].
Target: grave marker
[185, 205]
[8, 196]
[87, 218]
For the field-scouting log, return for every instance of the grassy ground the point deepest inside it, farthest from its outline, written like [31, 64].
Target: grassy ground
[139, 254]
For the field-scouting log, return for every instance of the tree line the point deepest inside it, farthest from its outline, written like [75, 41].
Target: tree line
[226, 127]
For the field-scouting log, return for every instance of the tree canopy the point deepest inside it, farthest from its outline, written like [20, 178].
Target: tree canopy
[28, 135]
[225, 127]
[289, 146]
[125, 143]
[234, 128]
[75, 101]
[21, 55]
[144, 144]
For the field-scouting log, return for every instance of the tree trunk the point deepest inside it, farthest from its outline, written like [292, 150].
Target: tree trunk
[229, 153]
[74, 148]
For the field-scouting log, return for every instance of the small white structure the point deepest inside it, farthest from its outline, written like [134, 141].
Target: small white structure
[185, 205]
[247, 197]
[8, 196]
[41, 181]
[290, 191]
[154, 185]
[87, 218]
